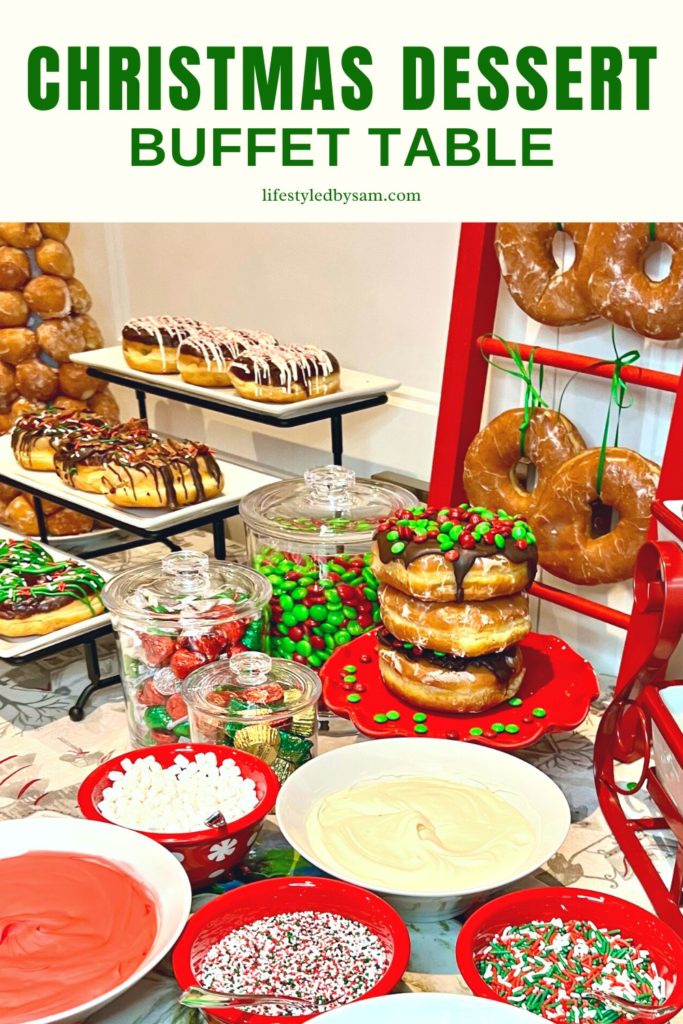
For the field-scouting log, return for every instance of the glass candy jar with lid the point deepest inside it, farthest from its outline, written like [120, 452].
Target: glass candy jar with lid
[264, 705]
[173, 616]
[312, 538]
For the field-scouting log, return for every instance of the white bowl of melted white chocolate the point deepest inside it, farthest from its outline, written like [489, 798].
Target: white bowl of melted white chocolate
[431, 825]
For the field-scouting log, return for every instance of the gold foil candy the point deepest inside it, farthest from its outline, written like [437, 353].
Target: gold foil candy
[283, 769]
[303, 724]
[260, 740]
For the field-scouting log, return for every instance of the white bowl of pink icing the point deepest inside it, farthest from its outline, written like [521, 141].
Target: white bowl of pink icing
[86, 910]
[431, 825]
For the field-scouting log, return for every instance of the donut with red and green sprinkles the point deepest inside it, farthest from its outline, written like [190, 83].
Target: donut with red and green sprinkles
[565, 971]
[457, 539]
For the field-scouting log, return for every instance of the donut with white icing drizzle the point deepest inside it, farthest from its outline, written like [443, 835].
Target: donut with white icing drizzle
[287, 373]
[150, 343]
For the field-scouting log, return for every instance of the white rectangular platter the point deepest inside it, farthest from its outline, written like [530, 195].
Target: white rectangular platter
[355, 386]
[239, 480]
[19, 647]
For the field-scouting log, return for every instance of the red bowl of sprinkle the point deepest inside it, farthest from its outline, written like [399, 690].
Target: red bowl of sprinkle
[557, 952]
[317, 938]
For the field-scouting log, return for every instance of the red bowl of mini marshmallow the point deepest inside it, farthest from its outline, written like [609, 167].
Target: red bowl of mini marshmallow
[207, 854]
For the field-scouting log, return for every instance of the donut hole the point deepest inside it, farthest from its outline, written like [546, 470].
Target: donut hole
[564, 251]
[657, 261]
[603, 518]
[524, 474]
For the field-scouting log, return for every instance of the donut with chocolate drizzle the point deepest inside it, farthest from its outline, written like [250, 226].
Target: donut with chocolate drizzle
[166, 474]
[287, 373]
[79, 460]
[39, 595]
[468, 553]
[36, 436]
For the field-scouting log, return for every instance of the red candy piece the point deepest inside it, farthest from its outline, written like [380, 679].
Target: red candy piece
[271, 693]
[452, 556]
[467, 540]
[176, 707]
[184, 662]
[163, 737]
[210, 645]
[149, 696]
[157, 649]
[230, 632]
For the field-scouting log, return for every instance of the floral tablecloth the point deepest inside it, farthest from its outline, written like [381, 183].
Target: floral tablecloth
[44, 756]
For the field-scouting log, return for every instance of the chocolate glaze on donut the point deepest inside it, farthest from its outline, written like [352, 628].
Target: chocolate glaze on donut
[285, 366]
[166, 331]
[57, 427]
[466, 557]
[159, 460]
[32, 583]
[73, 452]
[502, 665]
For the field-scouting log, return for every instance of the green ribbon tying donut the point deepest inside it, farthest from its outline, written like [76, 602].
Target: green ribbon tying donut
[532, 394]
[652, 228]
[618, 396]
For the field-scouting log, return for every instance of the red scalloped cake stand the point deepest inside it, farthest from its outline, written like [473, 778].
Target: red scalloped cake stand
[556, 695]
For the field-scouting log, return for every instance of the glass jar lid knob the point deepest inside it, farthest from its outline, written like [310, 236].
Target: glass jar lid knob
[251, 667]
[188, 570]
[331, 484]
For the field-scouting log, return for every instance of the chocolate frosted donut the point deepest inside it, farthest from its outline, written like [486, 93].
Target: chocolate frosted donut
[285, 374]
[455, 554]
[167, 474]
[205, 356]
[150, 343]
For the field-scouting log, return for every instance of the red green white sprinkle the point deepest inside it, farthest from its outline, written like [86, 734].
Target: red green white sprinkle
[565, 971]
[326, 959]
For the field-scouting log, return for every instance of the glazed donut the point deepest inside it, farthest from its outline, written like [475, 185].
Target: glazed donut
[546, 294]
[7, 492]
[37, 381]
[66, 522]
[564, 518]
[60, 232]
[285, 374]
[454, 554]
[79, 459]
[59, 339]
[47, 296]
[447, 683]
[36, 436]
[22, 406]
[81, 300]
[619, 287]
[66, 404]
[167, 475]
[467, 628]
[23, 236]
[17, 344]
[489, 471]
[76, 382]
[150, 343]
[105, 405]
[13, 309]
[5, 422]
[205, 357]
[39, 595]
[55, 258]
[8, 390]
[91, 332]
[15, 267]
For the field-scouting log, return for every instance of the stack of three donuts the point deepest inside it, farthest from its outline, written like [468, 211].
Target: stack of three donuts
[454, 605]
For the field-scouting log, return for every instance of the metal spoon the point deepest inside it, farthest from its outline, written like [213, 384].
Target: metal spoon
[631, 1009]
[197, 996]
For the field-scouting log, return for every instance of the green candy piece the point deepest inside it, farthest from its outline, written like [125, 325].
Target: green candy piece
[512, 728]
[393, 535]
[316, 659]
[157, 717]
[519, 532]
[286, 603]
[283, 628]
[419, 716]
[499, 541]
[350, 668]
[342, 637]
[380, 719]
[353, 698]
[369, 577]
[307, 581]
[304, 648]
[487, 514]
[515, 702]
[531, 537]
[300, 613]
[287, 645]
[182, 729]
[397, 548]
[350, 677]
[326, 628]
[288, 584]
[539, 712]
[476, 731]
[318, 612]
[289, 619]
[497, 727]
[445, 543]
[369, 594]
[393, 716]
[333, 599]
[329, 643]
[299, 593]
[420, 728]
[455, 531]
[335, 618]
[376, 615]
[354, 629]
[350, 612]
[296, 749]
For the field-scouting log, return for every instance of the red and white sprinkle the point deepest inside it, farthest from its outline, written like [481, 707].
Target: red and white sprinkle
[323, 958]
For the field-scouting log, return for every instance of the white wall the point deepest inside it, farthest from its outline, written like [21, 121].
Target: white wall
[377, 295]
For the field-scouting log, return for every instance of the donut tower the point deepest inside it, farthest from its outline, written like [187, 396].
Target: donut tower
[44, 319]
[454, 605]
